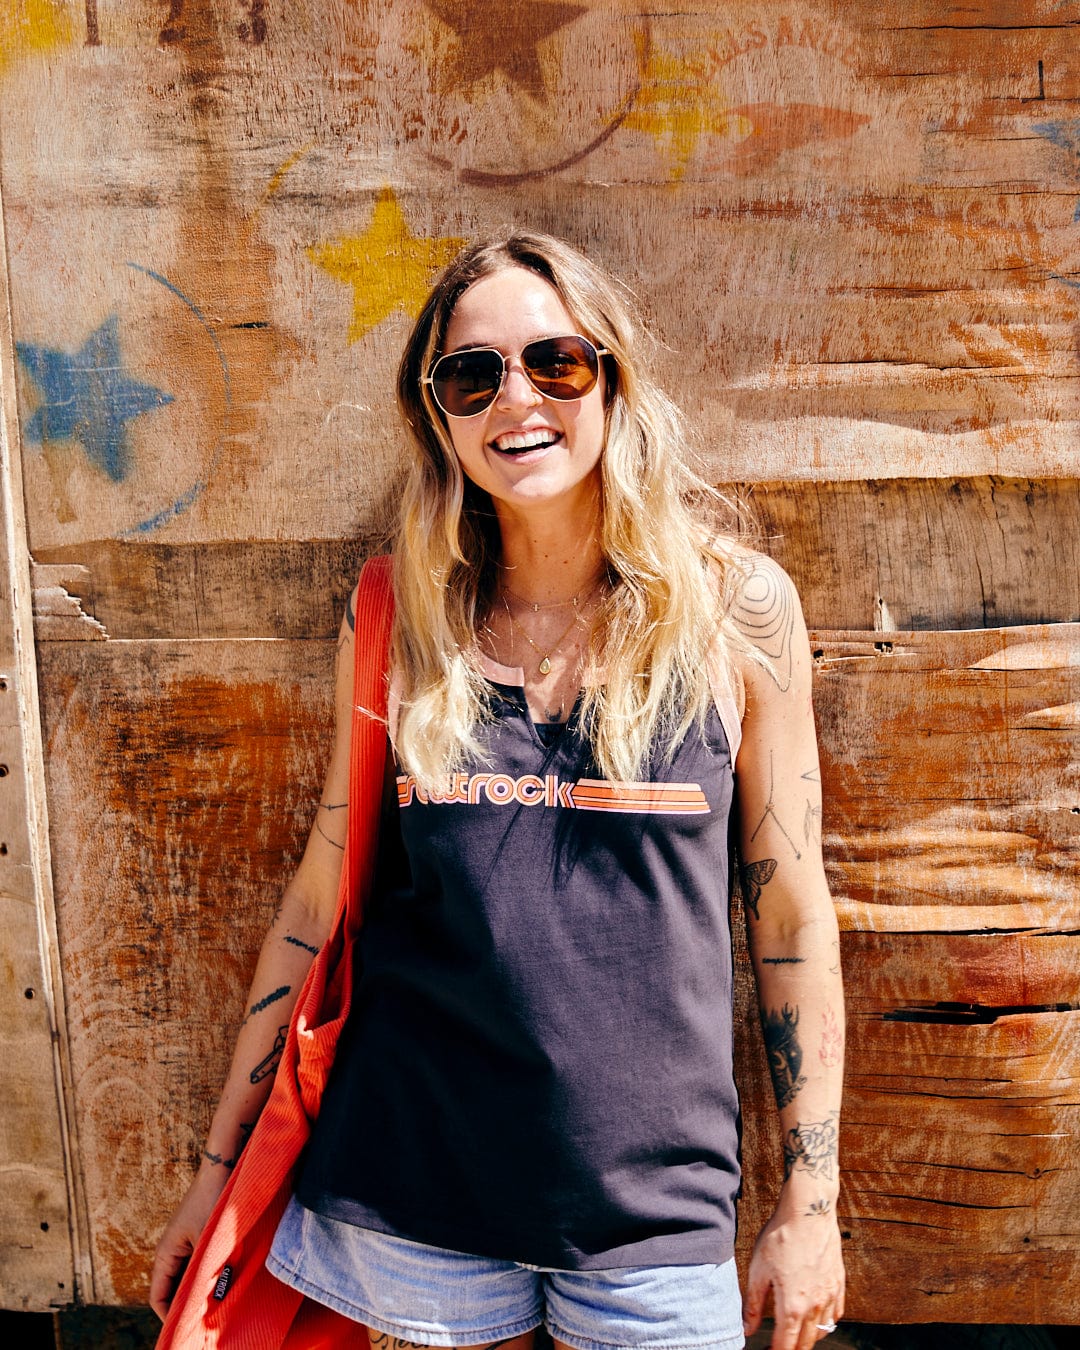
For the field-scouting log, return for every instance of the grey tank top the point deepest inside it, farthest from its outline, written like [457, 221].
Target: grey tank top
[538, 1063]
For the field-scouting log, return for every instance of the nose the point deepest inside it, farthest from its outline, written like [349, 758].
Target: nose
[517, 389]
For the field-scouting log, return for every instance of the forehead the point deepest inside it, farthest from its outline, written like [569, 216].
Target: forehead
[506, 310]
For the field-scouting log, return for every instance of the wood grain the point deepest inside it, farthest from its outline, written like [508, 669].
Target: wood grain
[952, 839]
[853, 228]
[182, 778]
[41, 1231]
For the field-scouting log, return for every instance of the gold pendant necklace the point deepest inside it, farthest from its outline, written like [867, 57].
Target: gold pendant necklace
[544, 667]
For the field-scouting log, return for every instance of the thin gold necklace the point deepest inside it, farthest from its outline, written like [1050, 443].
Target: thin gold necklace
[544, 668]
[536, 606]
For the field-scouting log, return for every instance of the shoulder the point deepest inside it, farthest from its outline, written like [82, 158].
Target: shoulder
[764, 609]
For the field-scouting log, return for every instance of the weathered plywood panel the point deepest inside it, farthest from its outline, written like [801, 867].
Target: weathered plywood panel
[926, 553]
[182, 778]
[182, 775]
[895, 553]
[952, 835]
[853, 225]
[970, 740]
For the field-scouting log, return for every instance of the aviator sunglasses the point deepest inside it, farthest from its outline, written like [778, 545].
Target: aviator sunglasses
[467, 383]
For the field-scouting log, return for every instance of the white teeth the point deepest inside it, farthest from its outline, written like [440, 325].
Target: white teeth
[525, 440]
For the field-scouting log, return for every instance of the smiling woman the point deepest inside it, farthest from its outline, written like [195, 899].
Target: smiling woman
[532, 1115]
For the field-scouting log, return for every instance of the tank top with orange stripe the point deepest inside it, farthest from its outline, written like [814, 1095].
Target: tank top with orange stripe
[538, 1063]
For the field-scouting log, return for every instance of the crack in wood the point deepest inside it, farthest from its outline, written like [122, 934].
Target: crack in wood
[971, 1014]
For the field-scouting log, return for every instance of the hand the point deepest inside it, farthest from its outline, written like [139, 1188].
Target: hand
[797, 1255]
[180, 1236]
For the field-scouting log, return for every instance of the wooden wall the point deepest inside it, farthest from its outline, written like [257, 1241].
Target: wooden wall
[856, 229]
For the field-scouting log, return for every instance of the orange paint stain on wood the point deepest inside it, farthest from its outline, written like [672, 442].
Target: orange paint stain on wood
[226, 267]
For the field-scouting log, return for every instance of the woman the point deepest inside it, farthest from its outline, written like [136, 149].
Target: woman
[532, 1117]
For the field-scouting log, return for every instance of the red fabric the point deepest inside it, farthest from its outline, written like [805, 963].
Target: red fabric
[256, 1311]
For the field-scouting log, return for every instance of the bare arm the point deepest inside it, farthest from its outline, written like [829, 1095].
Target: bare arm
[299, 928]
[794, 946]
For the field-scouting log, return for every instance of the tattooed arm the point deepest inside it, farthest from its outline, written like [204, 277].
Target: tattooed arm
[299, 928]
[794, 945]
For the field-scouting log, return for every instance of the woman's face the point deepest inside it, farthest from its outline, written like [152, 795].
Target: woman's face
[530, 453]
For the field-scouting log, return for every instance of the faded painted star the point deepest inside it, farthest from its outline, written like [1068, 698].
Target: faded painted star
[388, 267]
[88, 397]
[506, 40]
[677, 104]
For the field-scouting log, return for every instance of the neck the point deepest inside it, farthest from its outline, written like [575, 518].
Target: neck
[544, 567]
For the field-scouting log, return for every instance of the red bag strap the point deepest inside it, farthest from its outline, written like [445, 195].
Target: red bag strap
[367, 763]
[227, 1298]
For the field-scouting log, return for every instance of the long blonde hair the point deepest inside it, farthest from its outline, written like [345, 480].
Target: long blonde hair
[669, 574]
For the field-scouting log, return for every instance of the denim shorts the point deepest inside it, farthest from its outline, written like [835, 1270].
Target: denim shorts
[431, 1296]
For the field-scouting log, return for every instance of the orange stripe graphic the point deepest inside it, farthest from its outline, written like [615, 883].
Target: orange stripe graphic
[595, 794]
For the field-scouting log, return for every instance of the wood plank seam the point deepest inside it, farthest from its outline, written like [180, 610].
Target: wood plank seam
[13, 516]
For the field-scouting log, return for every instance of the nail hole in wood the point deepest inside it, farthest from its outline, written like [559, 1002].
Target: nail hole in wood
[3, 770]
[28, 993]
[44, 1227]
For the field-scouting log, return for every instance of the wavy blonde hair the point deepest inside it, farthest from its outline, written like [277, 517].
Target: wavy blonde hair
[669, 575]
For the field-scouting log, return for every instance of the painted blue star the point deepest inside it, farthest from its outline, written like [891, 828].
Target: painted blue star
[88, 397]
[1066, 136]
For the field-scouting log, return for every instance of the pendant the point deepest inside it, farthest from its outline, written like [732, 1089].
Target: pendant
[545, 666]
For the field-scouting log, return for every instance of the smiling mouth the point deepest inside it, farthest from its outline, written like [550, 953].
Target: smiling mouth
[518, 442]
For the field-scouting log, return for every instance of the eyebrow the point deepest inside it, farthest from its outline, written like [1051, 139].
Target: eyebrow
[494, 346]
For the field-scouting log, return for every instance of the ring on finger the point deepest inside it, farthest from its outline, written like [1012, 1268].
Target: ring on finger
[827, 1327]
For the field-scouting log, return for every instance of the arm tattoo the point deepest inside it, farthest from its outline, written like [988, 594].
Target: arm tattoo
[218, 1160]
[770, 810]
[812, 823]
[334, 842]
[269, 1065]
[832, 1041]
[812, 1146]
[771, 960]
[784, 1052]
[280, 992]
[330, 808]
[295, 942]
[756, 875]
[821, 1206]
[764, 610]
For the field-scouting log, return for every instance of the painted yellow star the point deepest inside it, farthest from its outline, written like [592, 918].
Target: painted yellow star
[31, 26]
[677, 104]
[388, 267]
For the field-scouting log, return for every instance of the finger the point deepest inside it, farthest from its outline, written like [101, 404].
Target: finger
[824, 1324]
[753, 1304]
[787, 1330]
[164, 1278]
[812, 1331]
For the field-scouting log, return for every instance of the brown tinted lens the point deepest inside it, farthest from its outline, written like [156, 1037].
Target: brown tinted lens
[561, 368]
[465, 383]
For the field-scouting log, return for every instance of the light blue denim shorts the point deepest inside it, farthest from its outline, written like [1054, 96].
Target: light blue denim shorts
[436, 1297]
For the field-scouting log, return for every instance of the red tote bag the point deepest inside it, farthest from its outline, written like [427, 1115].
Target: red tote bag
[227, 1298]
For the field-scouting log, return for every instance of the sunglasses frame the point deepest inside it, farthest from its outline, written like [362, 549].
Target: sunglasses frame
[598, 352]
